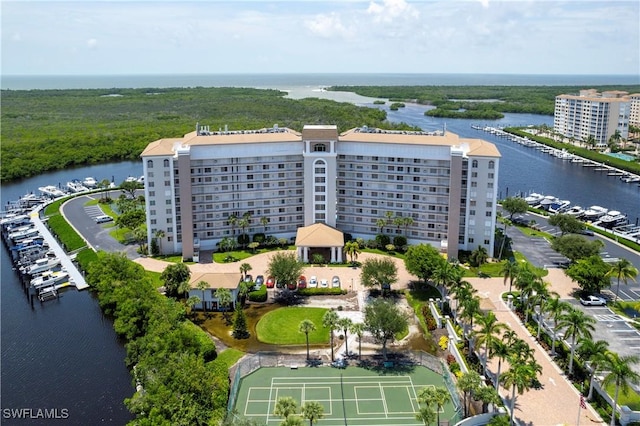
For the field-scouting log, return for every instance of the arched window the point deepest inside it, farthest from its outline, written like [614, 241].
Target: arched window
[150, 164]
[166, 163]
[474, 164]
[492, 164]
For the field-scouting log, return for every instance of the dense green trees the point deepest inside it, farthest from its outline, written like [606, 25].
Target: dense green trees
[88, 127]
[422, 260]
[514, 205]
[285, 267]
[590, 273]
[567, 223]
[379, 272]
[384, 320]
[172, 359]
[576, 247]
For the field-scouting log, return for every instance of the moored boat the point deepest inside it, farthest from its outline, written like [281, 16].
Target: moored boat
[559, 206]
[76, 186]
[90, 182]
[533, 199]
[575, 211]
[51, 191]
[594, 212]
[612, 219]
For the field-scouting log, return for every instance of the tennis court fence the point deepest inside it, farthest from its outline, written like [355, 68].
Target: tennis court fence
[251, 362]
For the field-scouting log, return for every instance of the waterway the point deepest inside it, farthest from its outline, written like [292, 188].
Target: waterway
[64, 354]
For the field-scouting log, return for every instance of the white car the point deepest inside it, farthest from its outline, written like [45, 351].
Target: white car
[324, 283]
[335, 281]
[593, 301]
[313, 282]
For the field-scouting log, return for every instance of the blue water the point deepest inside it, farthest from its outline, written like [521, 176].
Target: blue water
[621, 156]
[284, 81]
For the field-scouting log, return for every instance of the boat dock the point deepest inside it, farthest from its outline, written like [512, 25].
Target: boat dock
[75, 277]
[563, 154]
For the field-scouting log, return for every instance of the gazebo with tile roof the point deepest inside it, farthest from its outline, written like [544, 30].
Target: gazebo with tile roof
[319, 238]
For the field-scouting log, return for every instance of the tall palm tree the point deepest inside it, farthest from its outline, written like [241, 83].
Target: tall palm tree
[398, 222]
[488, 328]
[479, 256]
[595, 354]
[470, 308]
[306, 326]
[233, 220]
[285, 406]
[622, 269]
[352, 249]
[381, 223]
[509, 271]
[519, 377]
[345, 324]
[202, 286]
[576, 324]
[312, 411]
[622, 375]
[330, 321]
[501, 350]
[224, 299]
[159, 234]
[407, 221]
[388, 217]
[426, 415]
[468, 383]
[358, 329]
[556, 308]
[264, 221]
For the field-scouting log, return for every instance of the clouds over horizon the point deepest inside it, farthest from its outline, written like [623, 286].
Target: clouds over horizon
[394, 36]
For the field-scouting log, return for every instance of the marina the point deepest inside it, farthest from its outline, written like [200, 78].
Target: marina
[44, 266]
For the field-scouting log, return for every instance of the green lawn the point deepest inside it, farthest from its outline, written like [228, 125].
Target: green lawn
[281, 326]
[631, 400]
[228, 357]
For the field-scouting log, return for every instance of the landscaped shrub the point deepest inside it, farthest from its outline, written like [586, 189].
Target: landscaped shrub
[259, 237]
[382, 240]
[399, 241]
[429, 320]
[321, 291]
[444, 343]
[243, 239]
[85, 257]
[258, 295]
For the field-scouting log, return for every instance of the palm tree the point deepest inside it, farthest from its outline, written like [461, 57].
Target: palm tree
[352, 249]
[407, 221]
[285, 406]
[233, 220]
[510, 271]
[488, 395]
[426, 415]
[468, 383]
[306, 326]
[202, 286]
[398, 222]
[330, 321]
[479, 256]
[595, 354]
[244, 268]
[622, 269]
[576, 324]
[556, 308]
[191, 302]
[345, 324]
[312, 410]
[501, 350]
[388, 217]
[224, 299]
[243, 290]
[470, 308]
[622, 374]
[358, 330]
[445, 275]
[489, 327]
[437, 396]
[519, 377]
[264, 221]
[381, 223]
[159, 234]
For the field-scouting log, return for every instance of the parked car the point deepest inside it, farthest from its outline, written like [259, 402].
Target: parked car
[302, 282]
[103, 219]
[271, 282]
[324, 283]
[248, 278]
[291, 286]
[587, 231]
[593, 301]
[335, 281]
[313, 282]
[520, 221]
[259, 281]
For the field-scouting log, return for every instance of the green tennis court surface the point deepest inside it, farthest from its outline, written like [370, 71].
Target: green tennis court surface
[354, 395]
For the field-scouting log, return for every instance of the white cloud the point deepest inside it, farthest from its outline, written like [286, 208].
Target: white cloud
[327, 25]
[92, 43]
[391, 10]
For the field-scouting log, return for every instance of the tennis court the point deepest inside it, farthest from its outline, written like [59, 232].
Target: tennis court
[354, 395]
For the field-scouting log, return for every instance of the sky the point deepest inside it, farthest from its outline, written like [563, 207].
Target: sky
[87, 37]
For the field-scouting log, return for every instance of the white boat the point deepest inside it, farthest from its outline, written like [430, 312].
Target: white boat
[48, 279]
[560, 206]
[131, 179]
[594, 212]
[23, 233]
[90, 182]
[51, 191]
[547, 201]
[14, 219]
[575, 211]
[42, 265]
[533, 199]
[31, 200]
[76, 186]
[630, 179]
[141, 180]
[613, 218]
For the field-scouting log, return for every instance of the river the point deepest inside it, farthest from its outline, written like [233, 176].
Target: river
[64, 354]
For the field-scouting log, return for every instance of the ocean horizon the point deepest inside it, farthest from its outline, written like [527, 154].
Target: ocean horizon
[292, 81]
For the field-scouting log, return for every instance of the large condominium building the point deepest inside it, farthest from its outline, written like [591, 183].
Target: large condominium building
[282, 180]
[592, 114]
[634, 112]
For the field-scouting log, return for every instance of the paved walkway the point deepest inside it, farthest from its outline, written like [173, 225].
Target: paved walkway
[557, 402]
